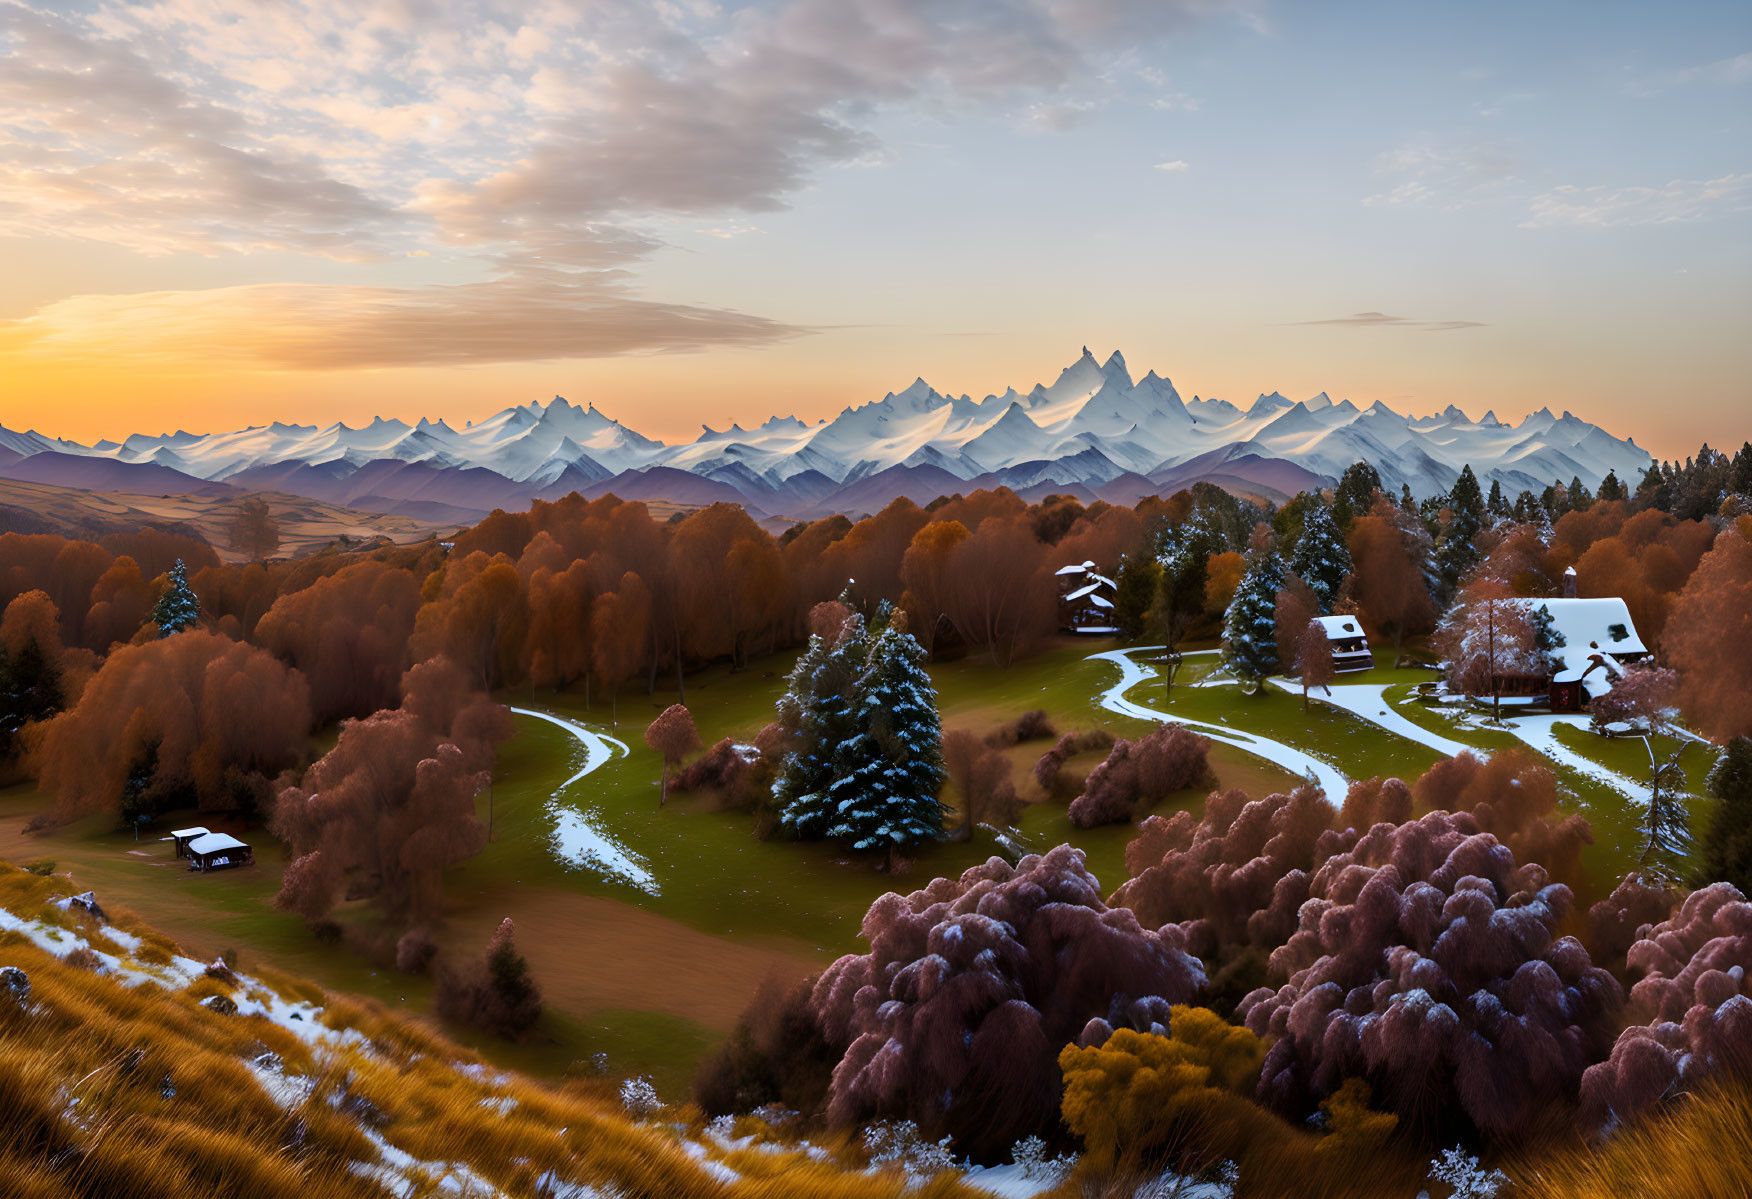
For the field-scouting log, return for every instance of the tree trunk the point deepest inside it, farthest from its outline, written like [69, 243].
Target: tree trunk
[663, 791]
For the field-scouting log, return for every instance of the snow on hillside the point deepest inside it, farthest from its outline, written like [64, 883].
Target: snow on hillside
[1093, 426]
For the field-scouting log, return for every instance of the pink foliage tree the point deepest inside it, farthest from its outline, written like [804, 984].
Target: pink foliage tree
[1233, 879]
[1141, 772]
[1693, 992]
[956, 1015]
[1427, 961]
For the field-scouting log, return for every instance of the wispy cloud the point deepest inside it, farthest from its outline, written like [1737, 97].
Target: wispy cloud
[326, 327]
[1177, 166]
[1381, 320]
[1603, 207]
[1442, 175]
[1721, 72]
[548, 144]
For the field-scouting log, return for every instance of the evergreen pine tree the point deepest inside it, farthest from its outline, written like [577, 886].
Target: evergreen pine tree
[888, 774]
[818, 712]
[1546, 637]
[1611, 488]
[1457, 549]
[1498, 504]
[1250, 625]
[1134, 589]
[1740, 471]
[1727, 846]
[1579, 498]
[1355, 493]
[1322, 559]
[177, 609]
[1654, 491]
[30, 690]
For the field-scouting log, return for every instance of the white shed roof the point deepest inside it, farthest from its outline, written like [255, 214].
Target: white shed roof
[215, 841]
[196, 831]
[1340, 626]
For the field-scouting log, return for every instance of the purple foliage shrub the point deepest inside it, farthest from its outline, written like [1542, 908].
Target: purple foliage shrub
[1426, 961]
[1693, 990]
[1511, 795]
[1048, 771]
[1234, 879]
[1032, 725]
[956, 1016]
[1623, 918]
[1145, 771]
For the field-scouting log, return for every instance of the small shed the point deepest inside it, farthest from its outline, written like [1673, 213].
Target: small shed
[216, 851]
[182, 837]
[1350, 647]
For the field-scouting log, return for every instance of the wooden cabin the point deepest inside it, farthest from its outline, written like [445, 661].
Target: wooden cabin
[1599, 640]
[1350, 647]
[182, 837]
[217, 851]
[1085, 599]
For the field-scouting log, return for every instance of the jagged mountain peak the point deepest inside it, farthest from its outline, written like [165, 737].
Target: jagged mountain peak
[1091, 421]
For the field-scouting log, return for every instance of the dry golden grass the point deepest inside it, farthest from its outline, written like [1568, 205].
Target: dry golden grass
[1699, 1147]
[108, 1089]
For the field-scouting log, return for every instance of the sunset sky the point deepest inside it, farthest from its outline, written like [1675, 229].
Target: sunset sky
[216, 213]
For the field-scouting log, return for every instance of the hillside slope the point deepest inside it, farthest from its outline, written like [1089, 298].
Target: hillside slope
[127, 1069]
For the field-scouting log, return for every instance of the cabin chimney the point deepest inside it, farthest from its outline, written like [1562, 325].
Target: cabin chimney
[1569, 583]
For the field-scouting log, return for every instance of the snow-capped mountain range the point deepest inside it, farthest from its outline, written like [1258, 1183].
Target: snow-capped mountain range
[1094, 432]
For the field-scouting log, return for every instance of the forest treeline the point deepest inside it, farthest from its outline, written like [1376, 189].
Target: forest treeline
[600, 594]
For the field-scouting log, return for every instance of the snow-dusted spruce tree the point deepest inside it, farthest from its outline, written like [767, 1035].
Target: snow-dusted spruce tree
[1466, 517]
[818, 714]
[1322, 559]
[887, 776]
[177, 609]
[1250, 625]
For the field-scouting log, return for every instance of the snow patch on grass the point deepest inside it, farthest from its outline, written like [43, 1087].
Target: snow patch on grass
[576, 839]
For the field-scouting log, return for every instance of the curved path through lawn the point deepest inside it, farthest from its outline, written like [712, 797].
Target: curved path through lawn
[1366, 701]
[576, 838]
[1323, 773]
[1540, 733]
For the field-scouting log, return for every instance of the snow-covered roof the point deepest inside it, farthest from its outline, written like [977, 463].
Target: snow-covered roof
[1340, 626]
[181, 833]
[1103, 580]
[1589, 627]
[213, 842]
[1076, 568]
[1086, 590]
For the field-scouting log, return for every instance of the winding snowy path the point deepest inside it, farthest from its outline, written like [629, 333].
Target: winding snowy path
[576, 840]
[1540, 732]
[1294, 760]
[1366, 701]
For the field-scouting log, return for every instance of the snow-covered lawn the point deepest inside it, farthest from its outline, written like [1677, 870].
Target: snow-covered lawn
[1296, 761]
[1366, 701]
[576, 838]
